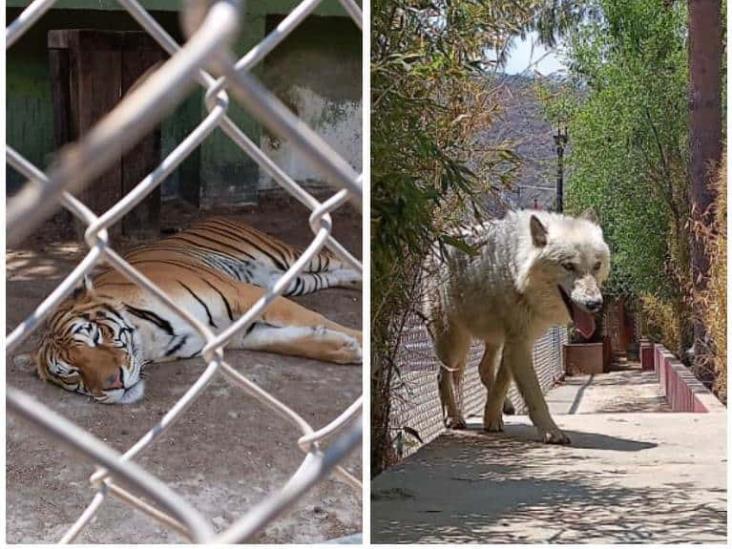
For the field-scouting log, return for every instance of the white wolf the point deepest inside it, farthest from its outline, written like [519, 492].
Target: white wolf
[533, 269]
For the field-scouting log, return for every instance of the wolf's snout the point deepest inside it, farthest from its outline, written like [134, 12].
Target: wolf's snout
[594, 305]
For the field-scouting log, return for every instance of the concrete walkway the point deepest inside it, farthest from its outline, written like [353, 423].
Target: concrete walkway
[635, 473]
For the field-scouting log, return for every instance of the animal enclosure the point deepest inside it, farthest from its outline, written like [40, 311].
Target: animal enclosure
[228, 466]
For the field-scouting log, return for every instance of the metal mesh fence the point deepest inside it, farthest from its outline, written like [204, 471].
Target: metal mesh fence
[210, 27]
[415, 397]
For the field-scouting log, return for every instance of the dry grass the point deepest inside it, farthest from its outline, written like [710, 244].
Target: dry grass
[663, 322]
[714, 298]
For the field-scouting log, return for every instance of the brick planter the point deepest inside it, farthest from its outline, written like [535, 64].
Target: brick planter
[584, 358]
[683, 391]
[646, 354]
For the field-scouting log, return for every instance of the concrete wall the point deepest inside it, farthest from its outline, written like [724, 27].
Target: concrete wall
[316, 71]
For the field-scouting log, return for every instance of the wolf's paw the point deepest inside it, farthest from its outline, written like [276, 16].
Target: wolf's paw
[554, 437]
[508, 408]
[493, 425]
[457, 423]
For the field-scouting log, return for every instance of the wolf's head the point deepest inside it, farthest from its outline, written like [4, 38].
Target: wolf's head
[570, 261]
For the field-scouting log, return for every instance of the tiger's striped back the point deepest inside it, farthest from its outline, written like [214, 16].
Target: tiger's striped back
[245, 254]
[232, 238]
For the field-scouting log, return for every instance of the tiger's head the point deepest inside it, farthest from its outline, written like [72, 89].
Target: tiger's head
[91, 348]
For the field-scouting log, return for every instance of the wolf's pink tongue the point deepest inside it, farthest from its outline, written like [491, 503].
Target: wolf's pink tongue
[583, 321]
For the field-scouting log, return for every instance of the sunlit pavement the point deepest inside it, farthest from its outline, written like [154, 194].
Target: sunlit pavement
[635, 473]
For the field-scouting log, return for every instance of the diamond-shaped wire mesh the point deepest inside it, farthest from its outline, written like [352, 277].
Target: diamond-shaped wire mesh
[210, 26]
[416, 404]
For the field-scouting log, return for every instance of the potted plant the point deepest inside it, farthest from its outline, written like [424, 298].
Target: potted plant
[587, 355]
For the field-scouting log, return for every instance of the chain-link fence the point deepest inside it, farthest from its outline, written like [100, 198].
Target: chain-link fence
[416, 412]
[210, 26]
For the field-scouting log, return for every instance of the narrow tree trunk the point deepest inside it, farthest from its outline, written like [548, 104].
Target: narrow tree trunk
[705, 132]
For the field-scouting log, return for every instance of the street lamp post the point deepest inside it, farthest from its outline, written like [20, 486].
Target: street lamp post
[560, 139]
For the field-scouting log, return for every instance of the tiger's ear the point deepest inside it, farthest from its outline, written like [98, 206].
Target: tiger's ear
[84, 287]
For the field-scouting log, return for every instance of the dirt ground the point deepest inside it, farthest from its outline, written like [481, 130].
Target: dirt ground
[223, 455]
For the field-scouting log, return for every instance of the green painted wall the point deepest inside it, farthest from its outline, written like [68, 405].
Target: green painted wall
[227, 173]
[29, 114]
[257, 7]
[317, 72]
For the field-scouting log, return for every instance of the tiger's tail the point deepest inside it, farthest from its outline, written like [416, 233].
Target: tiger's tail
[307, 283]
[324, 270]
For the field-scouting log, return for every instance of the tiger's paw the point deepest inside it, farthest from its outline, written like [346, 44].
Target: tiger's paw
[124, 396]
[353, 351]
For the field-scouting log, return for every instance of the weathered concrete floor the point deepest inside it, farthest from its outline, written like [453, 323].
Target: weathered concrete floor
[224, 454]
[627, 477]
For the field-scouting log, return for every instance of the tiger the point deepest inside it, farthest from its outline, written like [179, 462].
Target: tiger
[98, 341]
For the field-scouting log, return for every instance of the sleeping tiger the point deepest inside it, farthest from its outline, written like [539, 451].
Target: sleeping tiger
[98, 341]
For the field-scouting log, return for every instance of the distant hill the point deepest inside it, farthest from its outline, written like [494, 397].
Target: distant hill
[522, 122]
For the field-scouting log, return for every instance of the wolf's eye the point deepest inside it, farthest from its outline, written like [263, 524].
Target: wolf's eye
[568, 267]
[596, 266]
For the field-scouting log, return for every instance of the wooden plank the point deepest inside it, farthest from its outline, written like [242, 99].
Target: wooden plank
[140, 57]
[59, 69]
[60, 95]
[96, 67]
[91, 71]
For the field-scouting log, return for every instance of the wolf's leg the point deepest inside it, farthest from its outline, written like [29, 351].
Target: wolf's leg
[451, 345]
[487, 367]
[508, 407]
[496, 401]
[449, 381]
[517, 356]
[289, 328]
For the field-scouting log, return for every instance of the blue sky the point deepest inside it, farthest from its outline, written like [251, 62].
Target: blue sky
[522, 56]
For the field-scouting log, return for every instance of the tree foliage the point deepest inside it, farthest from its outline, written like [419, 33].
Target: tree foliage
[428, 100]
[627, 119]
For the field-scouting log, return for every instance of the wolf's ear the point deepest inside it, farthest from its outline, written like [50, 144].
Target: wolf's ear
[590, 215]
[538, 232]
[84, 287]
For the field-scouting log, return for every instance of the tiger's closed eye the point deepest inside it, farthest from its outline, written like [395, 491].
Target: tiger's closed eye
[568, 267]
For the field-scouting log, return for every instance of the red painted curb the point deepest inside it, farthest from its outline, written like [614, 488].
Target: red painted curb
[646, 355]
[683, 391]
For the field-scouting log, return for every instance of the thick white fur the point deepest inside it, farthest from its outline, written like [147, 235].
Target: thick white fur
[507, 296]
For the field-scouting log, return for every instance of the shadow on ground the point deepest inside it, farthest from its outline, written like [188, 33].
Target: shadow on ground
[473, 487]
[590, 441]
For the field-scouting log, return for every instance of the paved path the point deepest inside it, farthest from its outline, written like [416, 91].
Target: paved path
[627, 390]
[634, 477]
